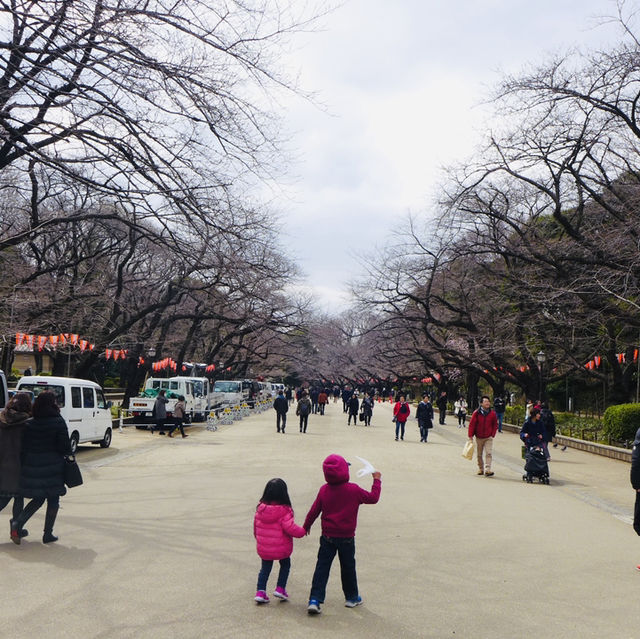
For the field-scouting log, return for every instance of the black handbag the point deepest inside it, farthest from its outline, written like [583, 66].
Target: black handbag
[72, 474]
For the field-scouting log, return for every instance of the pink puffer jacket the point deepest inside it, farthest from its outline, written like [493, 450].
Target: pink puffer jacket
[274, 530]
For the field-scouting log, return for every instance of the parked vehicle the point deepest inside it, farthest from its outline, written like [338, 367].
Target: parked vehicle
[82, 405]
[141, 407]
[235, 391]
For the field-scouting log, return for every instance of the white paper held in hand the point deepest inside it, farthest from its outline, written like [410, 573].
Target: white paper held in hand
[367, 467]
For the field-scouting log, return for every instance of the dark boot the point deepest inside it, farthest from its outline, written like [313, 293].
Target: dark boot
[49, 521]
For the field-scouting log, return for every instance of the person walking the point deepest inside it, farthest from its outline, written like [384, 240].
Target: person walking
[281, 406]
[274, 529]
[289, 394]
[442, 407]
[635, 482]
[532, 432]
[346, 396]
[178, 414]
[338, 502]
[401, 412]
[323, 400]
[336, 394]
[44, 447]
[314, 394]
[484, 426]
[303, 409]
[367, 409]
[353, 405]
[499, 406]
[13, 419]
[460, 411]
[424, 415]
[160, 411]
[549, 421]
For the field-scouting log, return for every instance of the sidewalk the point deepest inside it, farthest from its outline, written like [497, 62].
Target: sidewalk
[158, 542]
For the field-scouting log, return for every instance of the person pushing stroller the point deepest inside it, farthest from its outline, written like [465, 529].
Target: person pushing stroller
[534, 437]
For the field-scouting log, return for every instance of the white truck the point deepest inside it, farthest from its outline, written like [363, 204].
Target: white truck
[196, 402]
[234, 391]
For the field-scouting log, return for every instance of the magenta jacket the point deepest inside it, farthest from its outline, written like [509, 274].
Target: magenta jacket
[339, 500]
[274, 530]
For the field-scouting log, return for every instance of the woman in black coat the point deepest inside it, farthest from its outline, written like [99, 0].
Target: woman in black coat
[12, 424]
[44, 448]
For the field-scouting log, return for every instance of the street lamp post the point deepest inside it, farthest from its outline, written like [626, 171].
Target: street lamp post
[542, 358]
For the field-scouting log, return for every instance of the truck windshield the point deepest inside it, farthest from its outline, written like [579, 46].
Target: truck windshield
[36, 389]
[226, 387]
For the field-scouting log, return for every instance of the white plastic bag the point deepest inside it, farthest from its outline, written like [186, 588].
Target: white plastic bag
[366, 469]
[467, 451]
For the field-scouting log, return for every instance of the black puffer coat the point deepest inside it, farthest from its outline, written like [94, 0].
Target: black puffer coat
[12, 425]
[45, 444]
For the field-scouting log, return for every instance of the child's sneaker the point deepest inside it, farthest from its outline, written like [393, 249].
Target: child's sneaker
[352, 603]
[314, 607]
[281, 593]
[262, 597]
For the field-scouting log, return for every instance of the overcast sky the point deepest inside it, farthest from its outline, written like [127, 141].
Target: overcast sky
[403, 83]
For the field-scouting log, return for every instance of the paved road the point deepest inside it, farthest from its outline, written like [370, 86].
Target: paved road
[158, 542]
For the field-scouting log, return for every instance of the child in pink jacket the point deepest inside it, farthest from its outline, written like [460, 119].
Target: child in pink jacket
[274, 530]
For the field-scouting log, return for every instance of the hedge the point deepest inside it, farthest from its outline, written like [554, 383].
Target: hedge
[622, 421]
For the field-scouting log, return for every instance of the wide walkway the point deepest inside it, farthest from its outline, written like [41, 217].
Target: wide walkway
[158, 542]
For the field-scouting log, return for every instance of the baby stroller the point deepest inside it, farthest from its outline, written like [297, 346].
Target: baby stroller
[536, 466]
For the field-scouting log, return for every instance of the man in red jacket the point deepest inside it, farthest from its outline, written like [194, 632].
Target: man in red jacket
[484, 425]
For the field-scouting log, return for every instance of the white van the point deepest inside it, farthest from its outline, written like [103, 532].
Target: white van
[82, 404]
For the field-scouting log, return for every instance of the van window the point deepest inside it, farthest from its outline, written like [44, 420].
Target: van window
[76, 397]
[36, 389]
[101, 400]
[156, 383]
[89, 401]
[174, 386]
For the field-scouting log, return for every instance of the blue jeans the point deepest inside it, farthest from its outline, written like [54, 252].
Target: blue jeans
[346, 549]
[265, 571]
[424, 430]
[500, 418]
[400, 429]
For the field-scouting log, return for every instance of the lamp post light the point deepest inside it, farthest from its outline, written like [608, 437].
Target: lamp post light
[542, 358]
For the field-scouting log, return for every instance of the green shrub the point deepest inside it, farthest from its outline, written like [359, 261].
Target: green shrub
[514, 415]
[622, 421]
[110, 382]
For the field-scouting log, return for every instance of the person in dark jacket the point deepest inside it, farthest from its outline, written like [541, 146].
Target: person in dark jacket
[499, 406]
[346, 396]
[13, 420]
[635, 482]
[353, 404]
[314, 393]
[303, 409]
[442, 407]
[44, 448]
[484, 426]
[281, 406]
[367, 409]
[532, 433]
[424, 415]
[160, 411]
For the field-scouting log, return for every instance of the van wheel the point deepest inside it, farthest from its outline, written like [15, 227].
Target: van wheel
[74, 441]
[106, 441]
